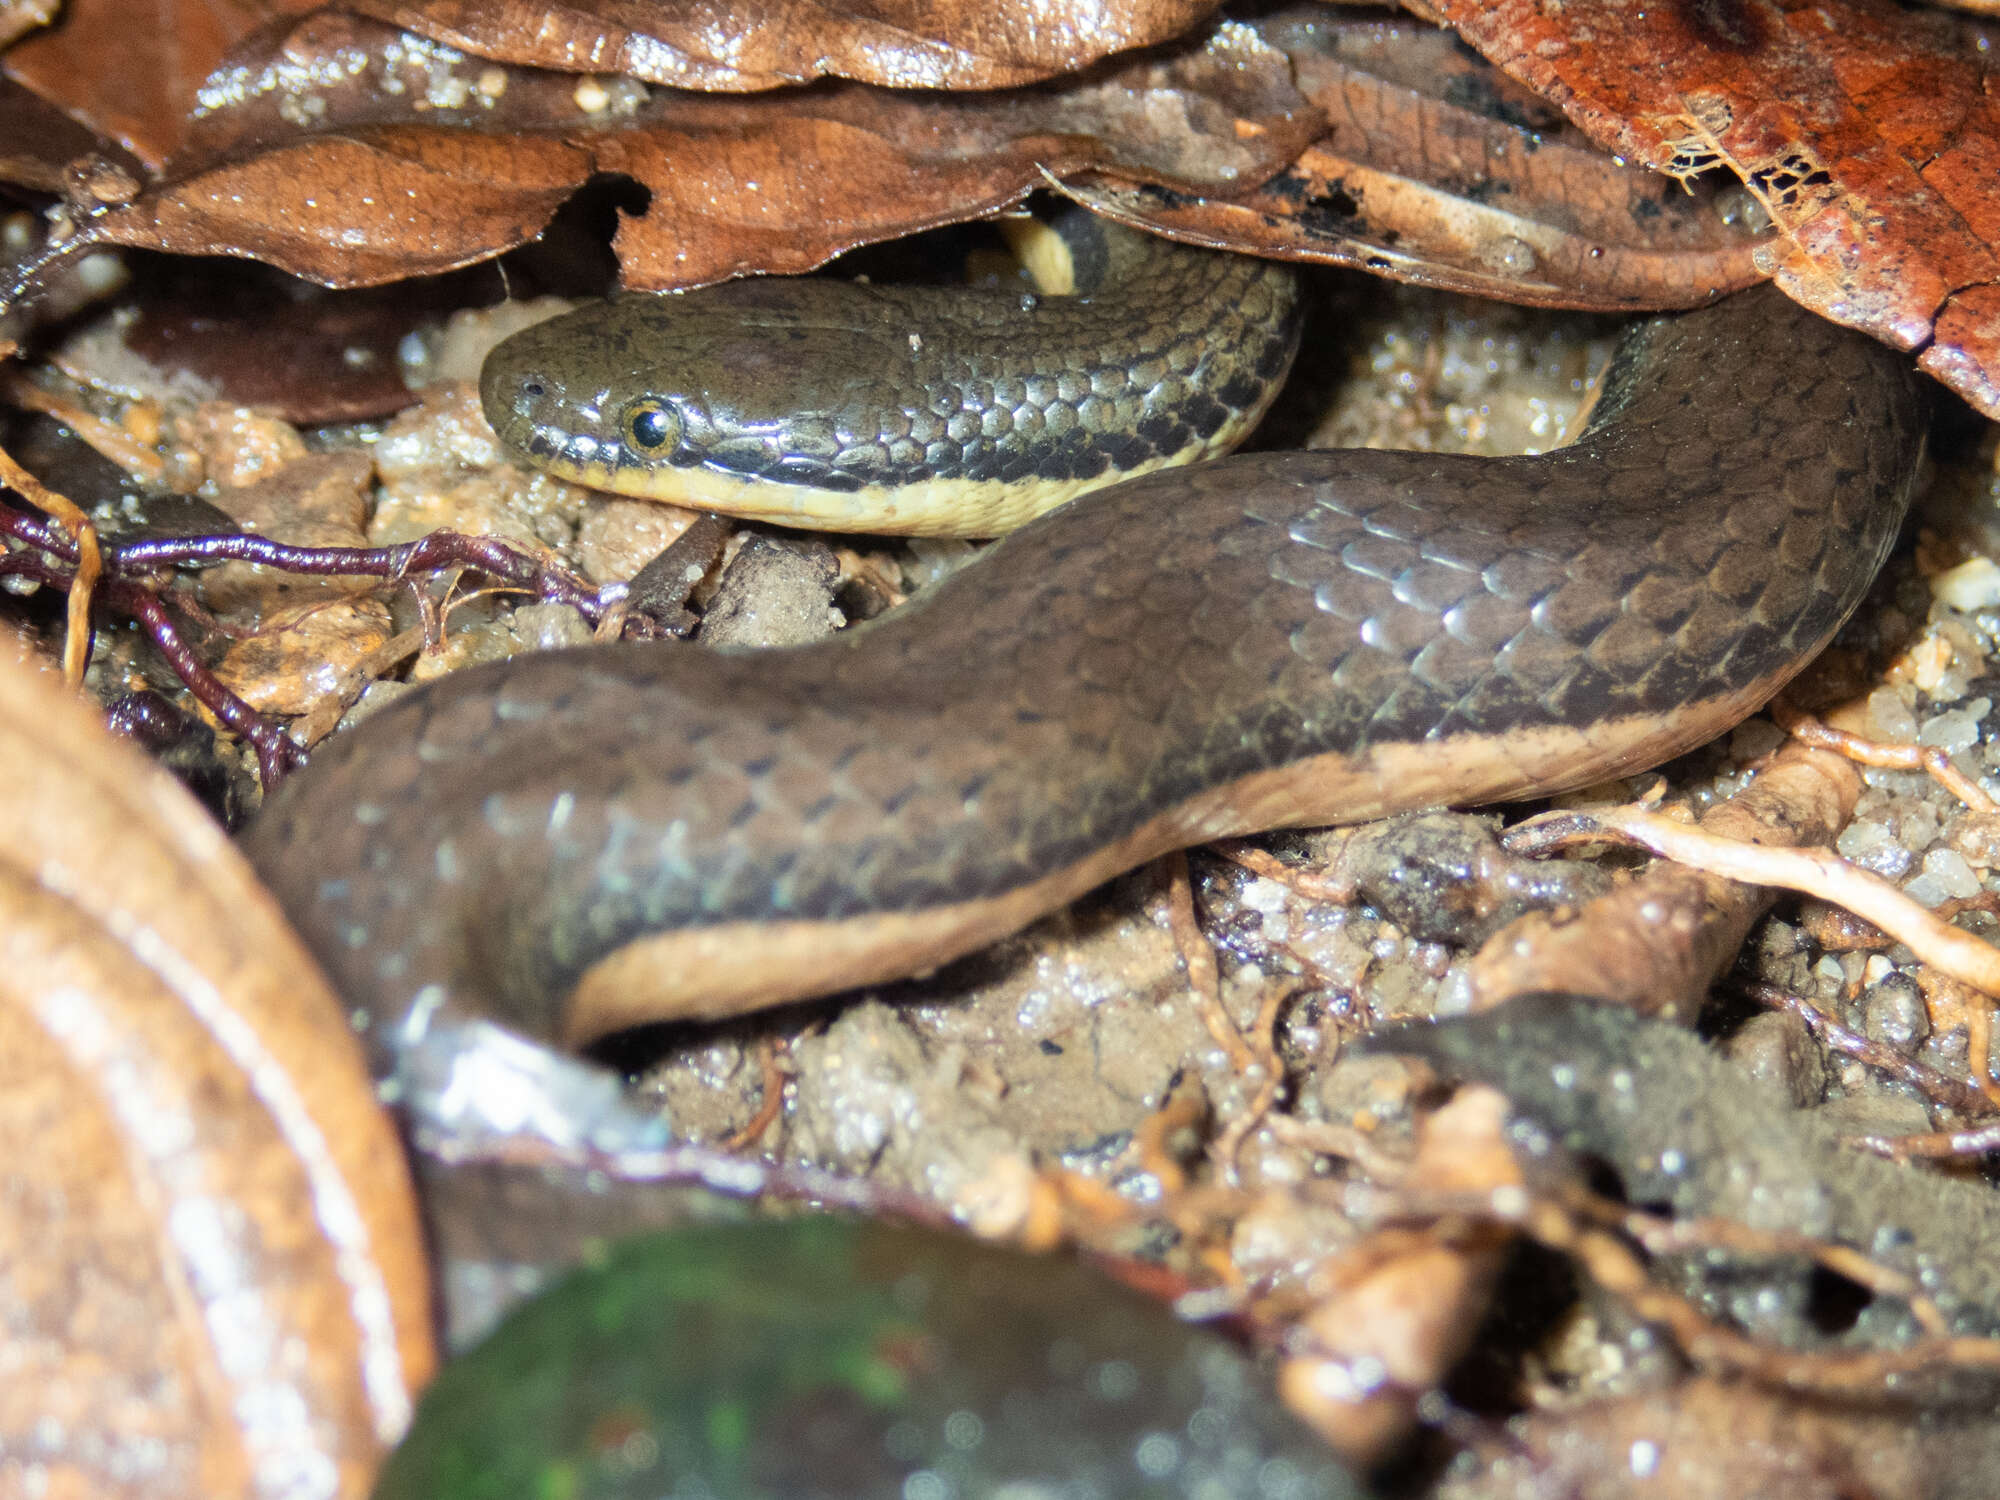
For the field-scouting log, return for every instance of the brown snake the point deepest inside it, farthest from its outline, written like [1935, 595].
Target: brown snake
[576, 841]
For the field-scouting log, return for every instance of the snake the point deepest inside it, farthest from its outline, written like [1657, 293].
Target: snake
[569, 843]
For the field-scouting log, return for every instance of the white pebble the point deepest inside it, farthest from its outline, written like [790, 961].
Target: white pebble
[1926, 890]
[1949, 868]
[1264, 895]
[1956, 729]
[1892, 716]
[1969, 586]
[1873, 847]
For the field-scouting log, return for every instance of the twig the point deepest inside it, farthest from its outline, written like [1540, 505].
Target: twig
[84, 551]
[1568, 1224]
[1264, 1047]
[1933, 759]
[1980, 1140]
[125, 577]
[1812, 872]
[709, 1167]
[1314, 885]
[277, 753]
[1203, 975]
[1940, 1087]
[770, 1105]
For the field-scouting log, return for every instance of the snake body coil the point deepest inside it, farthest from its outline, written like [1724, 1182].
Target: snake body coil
[579, 840]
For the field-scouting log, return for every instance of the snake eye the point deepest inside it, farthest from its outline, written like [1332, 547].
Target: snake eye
[651, 426]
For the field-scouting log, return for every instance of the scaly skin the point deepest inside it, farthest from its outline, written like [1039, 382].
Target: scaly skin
[1284, 638]
[913, 410]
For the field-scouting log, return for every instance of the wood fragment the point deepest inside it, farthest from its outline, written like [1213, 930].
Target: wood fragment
[1812, 872]
[1658, 942]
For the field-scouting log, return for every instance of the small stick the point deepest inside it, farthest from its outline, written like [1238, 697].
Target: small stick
[85, 551]
[1933, 759]
[1811, 872]
[1952, 1093]
[1199, 957]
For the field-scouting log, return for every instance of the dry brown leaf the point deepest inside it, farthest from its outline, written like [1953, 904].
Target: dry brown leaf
[130, 69]
[310, 360]
[722, 45]
[1869, 132]
[1439, 170]
[39, 143]
[210, 1265]
[382, 182]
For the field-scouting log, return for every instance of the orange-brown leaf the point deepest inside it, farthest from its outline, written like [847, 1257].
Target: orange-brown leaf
[129, 69]
[132, 69]
[727, 45]
[1868, 131]
[381, 182]
[210, 1263]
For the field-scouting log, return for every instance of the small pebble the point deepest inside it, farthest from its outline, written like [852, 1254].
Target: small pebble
[549, 627]
[1875, 1114]
[1957, 728]
[1891, 715]
[1871, 846]
[1778, 1051]
[1945, 877]
[1755, 738]
[1950, 867]
[1917, 826]
[1971, 585]
[1894, 1014]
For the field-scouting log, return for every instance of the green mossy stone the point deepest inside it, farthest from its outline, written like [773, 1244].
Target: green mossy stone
[829, 1359]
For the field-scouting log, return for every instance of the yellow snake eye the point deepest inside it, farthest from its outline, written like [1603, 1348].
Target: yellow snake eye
[650, 426]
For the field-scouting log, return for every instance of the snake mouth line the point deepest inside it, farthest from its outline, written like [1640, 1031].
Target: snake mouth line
[932, 507]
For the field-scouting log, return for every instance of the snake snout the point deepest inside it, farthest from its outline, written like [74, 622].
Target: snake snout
[530, 410]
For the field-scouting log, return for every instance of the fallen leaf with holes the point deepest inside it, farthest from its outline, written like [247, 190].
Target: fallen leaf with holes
[399, 169]
[210, 1263]
[1440, 170]
[1870, 132]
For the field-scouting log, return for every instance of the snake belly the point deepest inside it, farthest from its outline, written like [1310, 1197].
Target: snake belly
[576, 841]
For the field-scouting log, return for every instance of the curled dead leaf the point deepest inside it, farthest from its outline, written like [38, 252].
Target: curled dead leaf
[210, 1268]
[134, 74]
[1440, 170]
